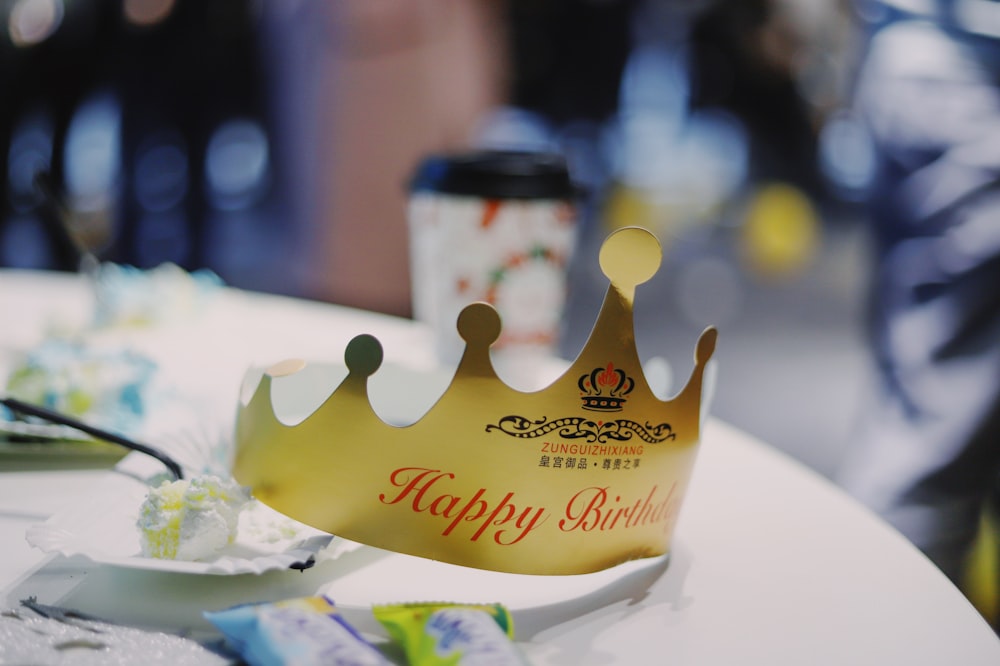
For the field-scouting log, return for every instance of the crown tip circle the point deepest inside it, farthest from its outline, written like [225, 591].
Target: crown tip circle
[479, 324]
[630, 256]
[287, 367]
[363, 355]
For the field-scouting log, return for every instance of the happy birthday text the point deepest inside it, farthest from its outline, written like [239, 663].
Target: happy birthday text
[501, 517]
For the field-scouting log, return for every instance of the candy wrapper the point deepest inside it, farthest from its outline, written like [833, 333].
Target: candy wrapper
[447, 634]
[297, 632]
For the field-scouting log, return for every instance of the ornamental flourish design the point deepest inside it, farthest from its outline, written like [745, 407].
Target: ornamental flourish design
[576, 427]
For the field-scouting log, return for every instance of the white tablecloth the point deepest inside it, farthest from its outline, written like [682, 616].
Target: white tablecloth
[771, 564]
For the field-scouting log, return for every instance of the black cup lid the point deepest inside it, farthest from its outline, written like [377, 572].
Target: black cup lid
[496, 174]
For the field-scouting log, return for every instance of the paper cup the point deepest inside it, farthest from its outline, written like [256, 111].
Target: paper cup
[498, 227]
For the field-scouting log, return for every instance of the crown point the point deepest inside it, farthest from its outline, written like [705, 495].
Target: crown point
[706, 345]
[479, 324]
[630, 256]
[363, 355]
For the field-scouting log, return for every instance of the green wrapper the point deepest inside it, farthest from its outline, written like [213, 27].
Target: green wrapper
[450, 634]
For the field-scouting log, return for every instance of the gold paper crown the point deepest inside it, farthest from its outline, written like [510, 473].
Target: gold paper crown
[588, 473]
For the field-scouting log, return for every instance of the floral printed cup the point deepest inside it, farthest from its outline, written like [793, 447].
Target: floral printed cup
[499, 227]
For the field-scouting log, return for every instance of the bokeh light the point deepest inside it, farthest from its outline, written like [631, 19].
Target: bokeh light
[237, 164]
[846, 154]
[30, 153]
[92, 161]
[147, 12]
[781, 232]
[33, 21]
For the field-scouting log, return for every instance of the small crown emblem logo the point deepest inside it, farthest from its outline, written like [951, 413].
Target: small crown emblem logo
[604, 389]
[585, 474]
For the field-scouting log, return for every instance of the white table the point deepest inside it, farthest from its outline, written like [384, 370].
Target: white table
[771, 565]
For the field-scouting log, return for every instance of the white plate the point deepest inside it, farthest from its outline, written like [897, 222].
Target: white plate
[104, 531]
[371, 576]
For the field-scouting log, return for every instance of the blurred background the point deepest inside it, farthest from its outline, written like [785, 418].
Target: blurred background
[272, 141]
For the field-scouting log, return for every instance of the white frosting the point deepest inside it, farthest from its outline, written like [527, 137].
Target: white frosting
[191, 519]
